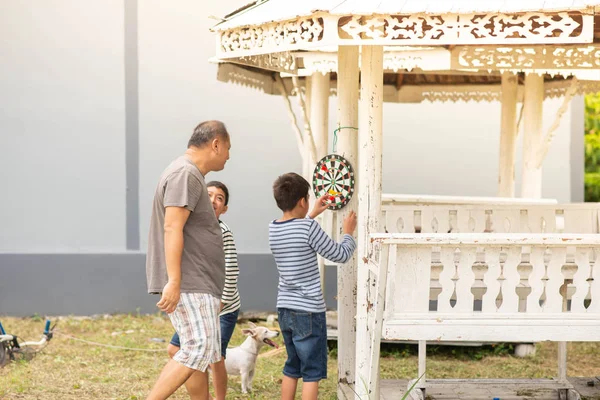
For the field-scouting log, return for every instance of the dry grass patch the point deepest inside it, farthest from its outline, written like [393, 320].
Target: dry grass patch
[70, 370]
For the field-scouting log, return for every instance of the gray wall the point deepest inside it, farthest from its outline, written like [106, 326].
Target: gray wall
[61, 126]
[68, 113]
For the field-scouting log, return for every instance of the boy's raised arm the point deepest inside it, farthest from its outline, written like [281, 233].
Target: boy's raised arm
[329, 248]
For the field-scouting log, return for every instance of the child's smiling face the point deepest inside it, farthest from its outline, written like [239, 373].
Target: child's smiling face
[217, 198]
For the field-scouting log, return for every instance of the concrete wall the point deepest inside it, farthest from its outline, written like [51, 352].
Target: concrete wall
[96, 98]
[61, 126]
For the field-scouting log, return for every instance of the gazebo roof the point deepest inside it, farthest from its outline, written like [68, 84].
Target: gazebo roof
[266, 11]
[433, 49]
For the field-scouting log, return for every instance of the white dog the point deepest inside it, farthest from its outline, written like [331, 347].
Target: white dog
[241, 360]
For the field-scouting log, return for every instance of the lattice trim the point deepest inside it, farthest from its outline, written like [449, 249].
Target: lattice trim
[530, 57]
[231, 74]
[553, 91]
[415, 30]
[466, 28]
[277, 35]
[454, 96]
[280, 62]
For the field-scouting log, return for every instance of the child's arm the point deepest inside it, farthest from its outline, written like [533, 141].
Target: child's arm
[327, 247]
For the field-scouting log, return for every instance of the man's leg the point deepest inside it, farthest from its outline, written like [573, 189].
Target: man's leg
[310, 390]
[197, 383]
[171, 378]
[288, 388]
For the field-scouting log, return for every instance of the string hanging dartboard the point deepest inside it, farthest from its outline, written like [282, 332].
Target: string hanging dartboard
[334, 176]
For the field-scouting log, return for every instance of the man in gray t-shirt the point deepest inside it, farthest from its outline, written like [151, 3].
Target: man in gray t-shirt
[185, 263]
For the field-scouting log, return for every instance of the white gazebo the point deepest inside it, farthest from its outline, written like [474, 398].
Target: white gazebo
[530, 263]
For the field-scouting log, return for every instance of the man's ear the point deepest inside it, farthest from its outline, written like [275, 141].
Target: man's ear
[224, 210]
[216, 145]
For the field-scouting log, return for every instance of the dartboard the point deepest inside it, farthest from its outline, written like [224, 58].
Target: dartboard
[334, 176]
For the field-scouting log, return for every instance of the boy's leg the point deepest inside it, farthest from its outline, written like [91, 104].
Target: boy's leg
[288, 388]
[219, 374]
[291, 369]
[310, 341]
[227, 323]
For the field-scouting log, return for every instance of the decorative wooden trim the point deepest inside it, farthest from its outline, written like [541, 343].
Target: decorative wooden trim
[322, 29]
[526, 57]
[533, 27]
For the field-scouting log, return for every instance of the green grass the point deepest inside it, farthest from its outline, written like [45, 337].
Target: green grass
[68, 369]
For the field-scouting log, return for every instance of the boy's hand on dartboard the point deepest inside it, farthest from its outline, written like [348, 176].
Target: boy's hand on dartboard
[349, 224]
[320, 205]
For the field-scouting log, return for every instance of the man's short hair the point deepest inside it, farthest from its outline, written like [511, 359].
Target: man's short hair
[220, 185]
[206, 132]
[288, 189]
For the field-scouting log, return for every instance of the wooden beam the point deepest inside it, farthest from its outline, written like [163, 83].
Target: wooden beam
[291, 115]
[531, 183]
[369, 211]
[319, 113]
[549, 138]
[319, 123]
[309, 139]
[347, 81]
[508, 136]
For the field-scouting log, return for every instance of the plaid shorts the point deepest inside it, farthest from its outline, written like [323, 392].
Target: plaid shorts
[196, 320]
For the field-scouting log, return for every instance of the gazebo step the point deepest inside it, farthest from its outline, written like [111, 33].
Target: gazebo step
[479, 389]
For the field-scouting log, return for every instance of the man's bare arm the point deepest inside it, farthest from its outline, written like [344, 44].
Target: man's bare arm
[175, 219]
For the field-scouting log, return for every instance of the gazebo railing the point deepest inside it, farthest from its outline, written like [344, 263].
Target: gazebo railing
[490, 288]
[496, 218]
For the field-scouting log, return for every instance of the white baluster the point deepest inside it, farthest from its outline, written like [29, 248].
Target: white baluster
[554, 300]
[505, 220]
[466, 279]
[445, 279]
[510, 299]
[595, 286]
[580, 279]
[492, 259]
[536, 282]
[465, 216]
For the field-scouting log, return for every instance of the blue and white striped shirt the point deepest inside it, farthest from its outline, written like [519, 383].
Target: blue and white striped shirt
[295, 244]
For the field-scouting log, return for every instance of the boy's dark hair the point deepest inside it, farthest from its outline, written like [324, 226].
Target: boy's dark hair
[220, 185]
[288, 189]
[206, 132]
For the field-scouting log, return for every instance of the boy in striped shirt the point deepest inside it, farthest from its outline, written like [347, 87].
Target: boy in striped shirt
[230, 301]
[295, 240]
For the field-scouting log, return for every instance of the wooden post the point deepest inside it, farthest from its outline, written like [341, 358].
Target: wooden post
[531, 183]
[347, 88]
[306, 165]
[319, 124]
[369, 212]
[508, 136]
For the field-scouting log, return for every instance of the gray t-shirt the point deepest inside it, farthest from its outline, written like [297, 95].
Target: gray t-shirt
[203, 259]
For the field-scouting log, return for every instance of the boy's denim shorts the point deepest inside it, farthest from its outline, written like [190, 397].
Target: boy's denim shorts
[227, 322]
[305, 337]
